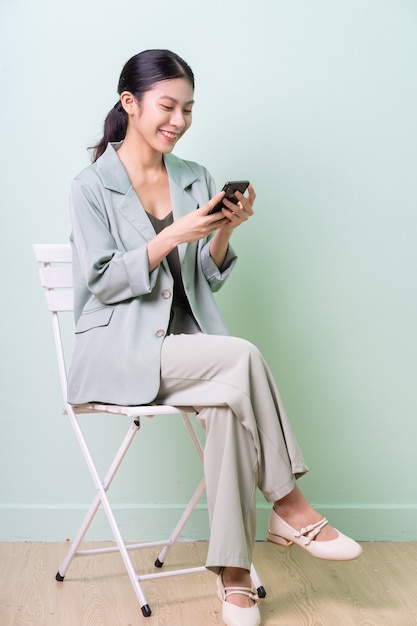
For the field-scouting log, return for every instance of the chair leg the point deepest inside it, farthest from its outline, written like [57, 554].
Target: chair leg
[257, 582]
[195, 497]
[75, 544]
[193, 435]
[101, 498]
[133, 429]
[181, 522]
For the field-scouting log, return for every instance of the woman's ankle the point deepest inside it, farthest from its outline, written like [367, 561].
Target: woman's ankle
[236, 577]
[296, 510]
[293, 502]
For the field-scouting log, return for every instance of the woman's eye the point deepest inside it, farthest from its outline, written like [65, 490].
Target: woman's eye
[167, 107]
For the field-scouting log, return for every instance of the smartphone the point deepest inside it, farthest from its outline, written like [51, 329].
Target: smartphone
[229, 189]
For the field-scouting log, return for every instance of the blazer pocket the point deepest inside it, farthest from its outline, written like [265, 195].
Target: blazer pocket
[94, 319]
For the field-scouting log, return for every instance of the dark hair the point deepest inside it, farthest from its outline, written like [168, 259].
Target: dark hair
[138, 75]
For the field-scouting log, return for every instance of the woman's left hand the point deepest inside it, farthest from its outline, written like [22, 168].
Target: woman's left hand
[238, 213]
[234, 215]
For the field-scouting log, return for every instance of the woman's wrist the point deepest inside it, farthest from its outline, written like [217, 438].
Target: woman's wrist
[160, 246]
[219, 246]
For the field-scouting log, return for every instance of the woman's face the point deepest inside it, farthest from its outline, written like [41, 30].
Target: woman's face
[164, 114]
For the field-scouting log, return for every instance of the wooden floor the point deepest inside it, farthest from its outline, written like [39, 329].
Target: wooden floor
[379, 589]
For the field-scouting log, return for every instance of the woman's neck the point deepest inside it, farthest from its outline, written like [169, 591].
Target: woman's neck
[149, 178]
[140, 160]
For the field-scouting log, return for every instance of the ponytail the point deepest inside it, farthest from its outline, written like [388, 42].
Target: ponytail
[115, 126]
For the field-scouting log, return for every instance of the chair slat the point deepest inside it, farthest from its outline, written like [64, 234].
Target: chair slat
[60, 300]
[52, 252]
[56, 277]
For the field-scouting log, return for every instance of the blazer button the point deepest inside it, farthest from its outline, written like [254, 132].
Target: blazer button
[160, 332]
[166, 294]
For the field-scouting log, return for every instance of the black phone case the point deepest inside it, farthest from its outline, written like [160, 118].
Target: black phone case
[229, 188]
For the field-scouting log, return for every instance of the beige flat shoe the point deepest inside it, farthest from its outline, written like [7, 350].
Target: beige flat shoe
[340, 549]
[233, 615]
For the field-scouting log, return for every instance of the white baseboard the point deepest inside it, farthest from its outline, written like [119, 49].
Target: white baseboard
[147, 523]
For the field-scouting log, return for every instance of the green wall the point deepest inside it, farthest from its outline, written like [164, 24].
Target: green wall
[316, 103]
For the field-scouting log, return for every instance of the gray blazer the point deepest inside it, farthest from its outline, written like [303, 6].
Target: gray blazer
[122, 310]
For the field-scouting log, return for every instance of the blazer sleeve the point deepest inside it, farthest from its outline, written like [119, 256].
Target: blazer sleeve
[109, 272]
[215, 276]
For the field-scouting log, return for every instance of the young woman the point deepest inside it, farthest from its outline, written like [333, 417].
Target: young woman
[148, 256]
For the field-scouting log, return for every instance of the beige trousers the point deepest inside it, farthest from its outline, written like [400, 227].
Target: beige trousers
[249, 442]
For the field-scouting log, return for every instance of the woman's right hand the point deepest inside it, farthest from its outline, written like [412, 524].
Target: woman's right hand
[198, 224]
[191, 227]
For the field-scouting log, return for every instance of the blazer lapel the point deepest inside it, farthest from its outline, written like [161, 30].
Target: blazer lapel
[180, 181]
[131, 208]
[115, 178]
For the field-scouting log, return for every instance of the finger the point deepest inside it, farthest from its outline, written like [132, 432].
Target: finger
[217, 218]
[212, 203]
[222, 222]
[236, 217]
[247, 201]
[242, 209]
[251, 194]
[215, 225]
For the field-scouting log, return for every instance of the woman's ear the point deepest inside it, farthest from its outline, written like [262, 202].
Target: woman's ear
[128, 102]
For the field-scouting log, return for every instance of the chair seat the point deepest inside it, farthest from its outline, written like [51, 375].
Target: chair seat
[130, 411]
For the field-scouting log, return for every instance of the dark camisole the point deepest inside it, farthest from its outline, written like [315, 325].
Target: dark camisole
[182, 319]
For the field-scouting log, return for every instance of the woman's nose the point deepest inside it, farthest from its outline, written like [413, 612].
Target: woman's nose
[177, 119]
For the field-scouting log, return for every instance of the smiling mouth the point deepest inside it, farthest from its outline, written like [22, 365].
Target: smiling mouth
[169, 136]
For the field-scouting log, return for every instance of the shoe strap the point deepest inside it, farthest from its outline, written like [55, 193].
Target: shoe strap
[311, 531]
[244, 591]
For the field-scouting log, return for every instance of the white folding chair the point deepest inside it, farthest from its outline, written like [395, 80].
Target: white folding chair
[56, 278]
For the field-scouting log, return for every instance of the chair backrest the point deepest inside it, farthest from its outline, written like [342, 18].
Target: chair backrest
[56, 278]
[56, 275]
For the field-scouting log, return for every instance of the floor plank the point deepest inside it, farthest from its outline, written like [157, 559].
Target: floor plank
[379, 589]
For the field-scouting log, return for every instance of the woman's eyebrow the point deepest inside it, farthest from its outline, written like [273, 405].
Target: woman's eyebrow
[174, 99]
